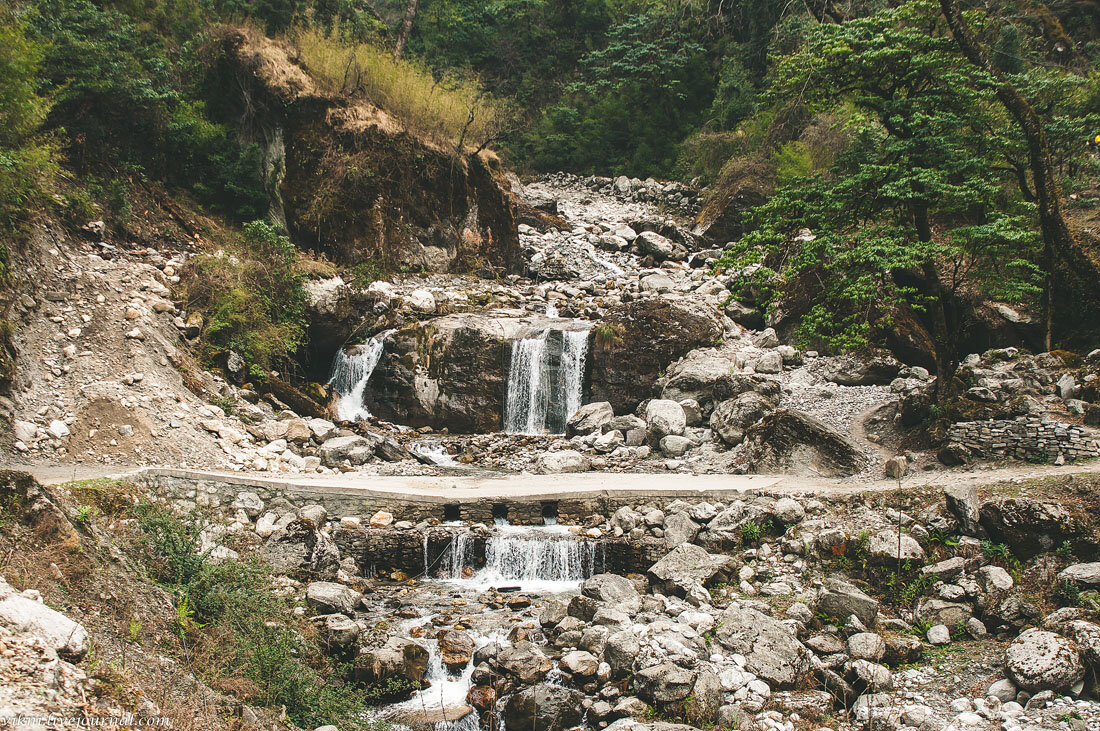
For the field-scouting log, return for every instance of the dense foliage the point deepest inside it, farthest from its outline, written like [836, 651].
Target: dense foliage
[253, 298]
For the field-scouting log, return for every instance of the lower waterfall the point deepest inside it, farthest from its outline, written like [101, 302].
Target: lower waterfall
[545, 383]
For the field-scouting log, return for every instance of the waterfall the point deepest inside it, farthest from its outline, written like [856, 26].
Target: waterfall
[351, 370]
[525, 398]
[545, 383]
[573, 352]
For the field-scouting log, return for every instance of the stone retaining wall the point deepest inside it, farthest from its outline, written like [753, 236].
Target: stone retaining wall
[206, 490]
[1029, 438]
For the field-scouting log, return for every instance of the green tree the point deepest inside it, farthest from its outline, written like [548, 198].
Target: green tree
[909, 216]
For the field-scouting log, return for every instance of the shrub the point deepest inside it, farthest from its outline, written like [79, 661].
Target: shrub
[26, 159]
[228, 612]
[252, 299]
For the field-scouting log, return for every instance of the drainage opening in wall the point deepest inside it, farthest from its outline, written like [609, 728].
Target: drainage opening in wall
[550, 512]
[451, 512]
[500, 512]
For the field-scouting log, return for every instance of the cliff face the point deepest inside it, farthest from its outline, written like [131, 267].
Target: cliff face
[350, 181]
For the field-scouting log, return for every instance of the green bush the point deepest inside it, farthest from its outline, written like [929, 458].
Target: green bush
[26, 158]
[229, 611]
[252, 299]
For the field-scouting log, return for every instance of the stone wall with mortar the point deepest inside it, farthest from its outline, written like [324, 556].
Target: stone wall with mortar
[1029, 438]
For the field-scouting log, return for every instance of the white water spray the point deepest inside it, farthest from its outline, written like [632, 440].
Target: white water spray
[351, 370]
[545, 383]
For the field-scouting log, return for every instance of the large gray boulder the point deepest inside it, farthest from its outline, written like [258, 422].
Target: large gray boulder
[878, 368]
[328, 597]
[1082, 574]
[724, 531]
[664, 418]
[1040, 660]
[790, 441]
[680, 528]
[543, 708]
[688, 565]
[664, 683]
[653, 244]
[962, 501]
[731, 418]
[770, 649]
[888, 546]
[22, 614]
[566, 460]
[840, 599]
[525, 661]
[709, 378]
[620, 652]
[356, 450]
[617, 592]
[589, 418]
[302, 551]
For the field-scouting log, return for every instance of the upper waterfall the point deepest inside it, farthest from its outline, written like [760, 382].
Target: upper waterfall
[545, 383]
[351, 370]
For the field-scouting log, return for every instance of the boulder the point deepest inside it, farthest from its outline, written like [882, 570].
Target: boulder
[456, 648]
[663, 418]
[1027, 526]
[867, 646]
[525, 661]
[962, 501]
[938, 611]
[651, 335]
[841, 600]
[589, 418]
[398, 657]
[543, 708]
[878, 368]
[613, 590]
[664, 683]
[566, 460]
[1083, 574]
[22, 614]
[653, 244]
[688, 565]
[770, 649]
[327, 597]
[708, 378]
[338, 631]
[301, 550]
[675, 446]
[705, 699]
[1038, 660]
[732, 417]
[356, 450]
[792, 442]
[680, 528]
[580, 663]
[887, 546]
[620, 652]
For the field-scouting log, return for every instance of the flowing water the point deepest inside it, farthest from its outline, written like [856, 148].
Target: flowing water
[538, 560]
[351, 370]
[545, 384]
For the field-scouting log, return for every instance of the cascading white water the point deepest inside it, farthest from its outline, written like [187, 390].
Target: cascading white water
[545, 381]
[539, 560]
[527, 392]
[573, 352]
[351, 370]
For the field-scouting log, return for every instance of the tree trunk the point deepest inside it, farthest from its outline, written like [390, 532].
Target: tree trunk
[406, 29]
[938, 308]
[1058, 240]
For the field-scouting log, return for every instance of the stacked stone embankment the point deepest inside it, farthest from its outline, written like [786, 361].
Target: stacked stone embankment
[1029, 438]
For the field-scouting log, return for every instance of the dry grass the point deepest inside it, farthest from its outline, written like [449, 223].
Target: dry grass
[452, 111]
